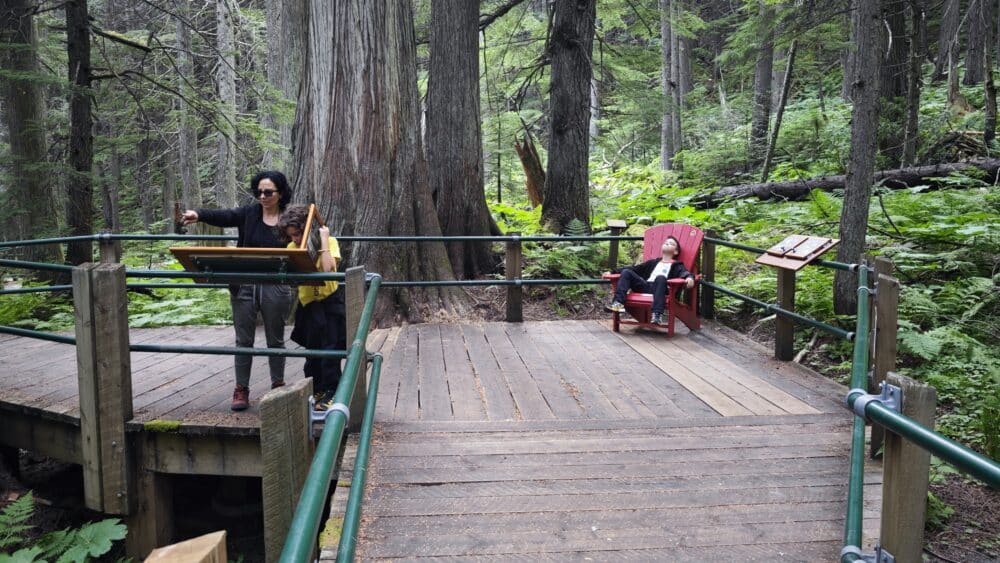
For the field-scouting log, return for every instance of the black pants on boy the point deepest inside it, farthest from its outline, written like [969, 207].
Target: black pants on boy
[634, 282]
[320, 325]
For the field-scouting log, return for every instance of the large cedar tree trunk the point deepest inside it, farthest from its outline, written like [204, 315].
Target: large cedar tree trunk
[667, 149]
[285, 44]
[761, 116]
[453, 137]
[24, 115]
[861, 160]
[359, 111]
[948, 40]
[567, 179]
[226, 12]
[79, 187]
[979, 21]
[187, 135]
[914, 75]
[893, 81]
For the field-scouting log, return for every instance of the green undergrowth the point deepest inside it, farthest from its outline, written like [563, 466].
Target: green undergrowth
[72, 545]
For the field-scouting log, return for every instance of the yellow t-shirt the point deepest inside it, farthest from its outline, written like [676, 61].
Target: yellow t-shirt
[310, 293]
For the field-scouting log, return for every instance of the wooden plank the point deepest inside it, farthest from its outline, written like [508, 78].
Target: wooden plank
[86, 353]
[641, 374]
[408, 396]
[354, 302]
[884, 342]
[567, 395]
[59, 440]
[435, 404]
[286, 450]
[702, 389]
[152, 523]
[467, 400]
[209, 548]
[784, 328]
[565, 346]
[513, 272]
[186, 454]
[523, 388]
[392, 373]
[496, 393]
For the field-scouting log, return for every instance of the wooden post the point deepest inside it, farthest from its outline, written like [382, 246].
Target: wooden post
[616, 226]
[513, 268]
[708, 274]
[883, 347]
[152, 523]
[210, 548]
[111, 250]
[905, 476]
[286, 450]
[784, 328]
[105, 382]
[355, 301]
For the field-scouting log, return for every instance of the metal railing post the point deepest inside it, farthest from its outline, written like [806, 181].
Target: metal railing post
[513, 269]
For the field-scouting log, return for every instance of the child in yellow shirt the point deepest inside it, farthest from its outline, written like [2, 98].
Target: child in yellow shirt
[320, 322]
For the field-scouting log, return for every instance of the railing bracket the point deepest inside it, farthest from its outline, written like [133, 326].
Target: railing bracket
[891, 398]
[880, 555]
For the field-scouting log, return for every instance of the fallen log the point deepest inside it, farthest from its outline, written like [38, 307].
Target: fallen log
[897, 178]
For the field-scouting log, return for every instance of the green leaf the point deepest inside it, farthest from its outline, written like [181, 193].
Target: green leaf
[94, 540]
[26, 555]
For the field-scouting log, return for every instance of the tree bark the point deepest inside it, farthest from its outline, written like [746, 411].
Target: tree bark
[676, 87]
[226, 13]
[948, 40]
[79, 187]
[979, 20]
[786, 84]
[454, 138]
[667, 149]
[895, 179]
[849, 55]
[761, 116]
[894, 67]
[359, 109]
[861, 159]
[286, 33]
[24, 115]
[990, 109]
[913, 82]
[567, 187]
[187, 136]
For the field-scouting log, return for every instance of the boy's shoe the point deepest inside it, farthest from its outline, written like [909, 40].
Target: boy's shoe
[276, 384]
[657, 318]
[324, 402]
[241, 398]
[615, 307]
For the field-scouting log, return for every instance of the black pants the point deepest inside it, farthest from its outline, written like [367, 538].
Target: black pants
[321, 325]
[632, 281]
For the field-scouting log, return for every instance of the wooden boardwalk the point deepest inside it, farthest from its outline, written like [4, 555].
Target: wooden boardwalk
[565, 441]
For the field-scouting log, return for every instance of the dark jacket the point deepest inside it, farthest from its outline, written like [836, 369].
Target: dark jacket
[677, 269]
[249, 223]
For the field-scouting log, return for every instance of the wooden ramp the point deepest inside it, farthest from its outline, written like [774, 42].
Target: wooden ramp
[565, 441]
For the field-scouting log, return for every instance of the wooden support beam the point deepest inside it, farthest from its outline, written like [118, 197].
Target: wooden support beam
[616, 226]
[354, 301]
[784, 328]
[151, 524]
[708, 274]
[59, 440]
[883, 348]
[110, 250]
[905, 476]
[197, 454]
[105, 381]
[210, 548]
[286, 451]
[513, 269]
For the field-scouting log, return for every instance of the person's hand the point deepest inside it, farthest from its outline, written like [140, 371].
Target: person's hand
[690, 283]
[324, 232]
[189, 216]
[603, 274]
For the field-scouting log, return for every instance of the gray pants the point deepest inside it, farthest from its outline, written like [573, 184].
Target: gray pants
[273, 302]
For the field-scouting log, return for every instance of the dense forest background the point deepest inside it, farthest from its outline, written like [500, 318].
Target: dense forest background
[868, 121]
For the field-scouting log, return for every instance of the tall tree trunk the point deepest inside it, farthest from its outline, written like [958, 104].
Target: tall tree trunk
[359, 108]
[895, 65]
[913, 81]
[761, 116]
[567, 187]
[286, 33]
[79, 188]
[667, 149]
[979, 20]
[24, 115]
[226, 12]
[861, 160]
[676, 88]
[453, 137]
[110, 185]
[948, 40]
[143, 183]
[990, 109]
[187, 135]
[848, 57]
[168, 196]
[786, 84]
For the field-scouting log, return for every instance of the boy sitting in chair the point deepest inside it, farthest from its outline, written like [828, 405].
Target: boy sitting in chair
[651, 277]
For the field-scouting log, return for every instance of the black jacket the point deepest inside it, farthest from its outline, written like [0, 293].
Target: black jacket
[677, 269]
[249, 223]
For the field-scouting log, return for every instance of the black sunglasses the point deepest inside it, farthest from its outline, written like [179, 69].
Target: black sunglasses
[266, 193]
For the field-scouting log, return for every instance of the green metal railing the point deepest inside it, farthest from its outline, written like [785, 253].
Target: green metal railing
[304, 529]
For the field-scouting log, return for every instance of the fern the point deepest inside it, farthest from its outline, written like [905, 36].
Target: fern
[14, 521]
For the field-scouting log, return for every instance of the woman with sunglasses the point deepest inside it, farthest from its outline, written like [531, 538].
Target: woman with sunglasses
[255, 224]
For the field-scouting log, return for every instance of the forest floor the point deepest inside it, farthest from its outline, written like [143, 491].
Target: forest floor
[971, 534]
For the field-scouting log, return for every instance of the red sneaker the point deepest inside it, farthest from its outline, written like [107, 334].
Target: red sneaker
[241, 398]
[276, 384]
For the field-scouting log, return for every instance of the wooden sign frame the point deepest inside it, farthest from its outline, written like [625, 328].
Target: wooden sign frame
[795, 251]
[233, 259]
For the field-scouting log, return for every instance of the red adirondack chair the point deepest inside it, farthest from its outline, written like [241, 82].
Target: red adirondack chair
[640, 305]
